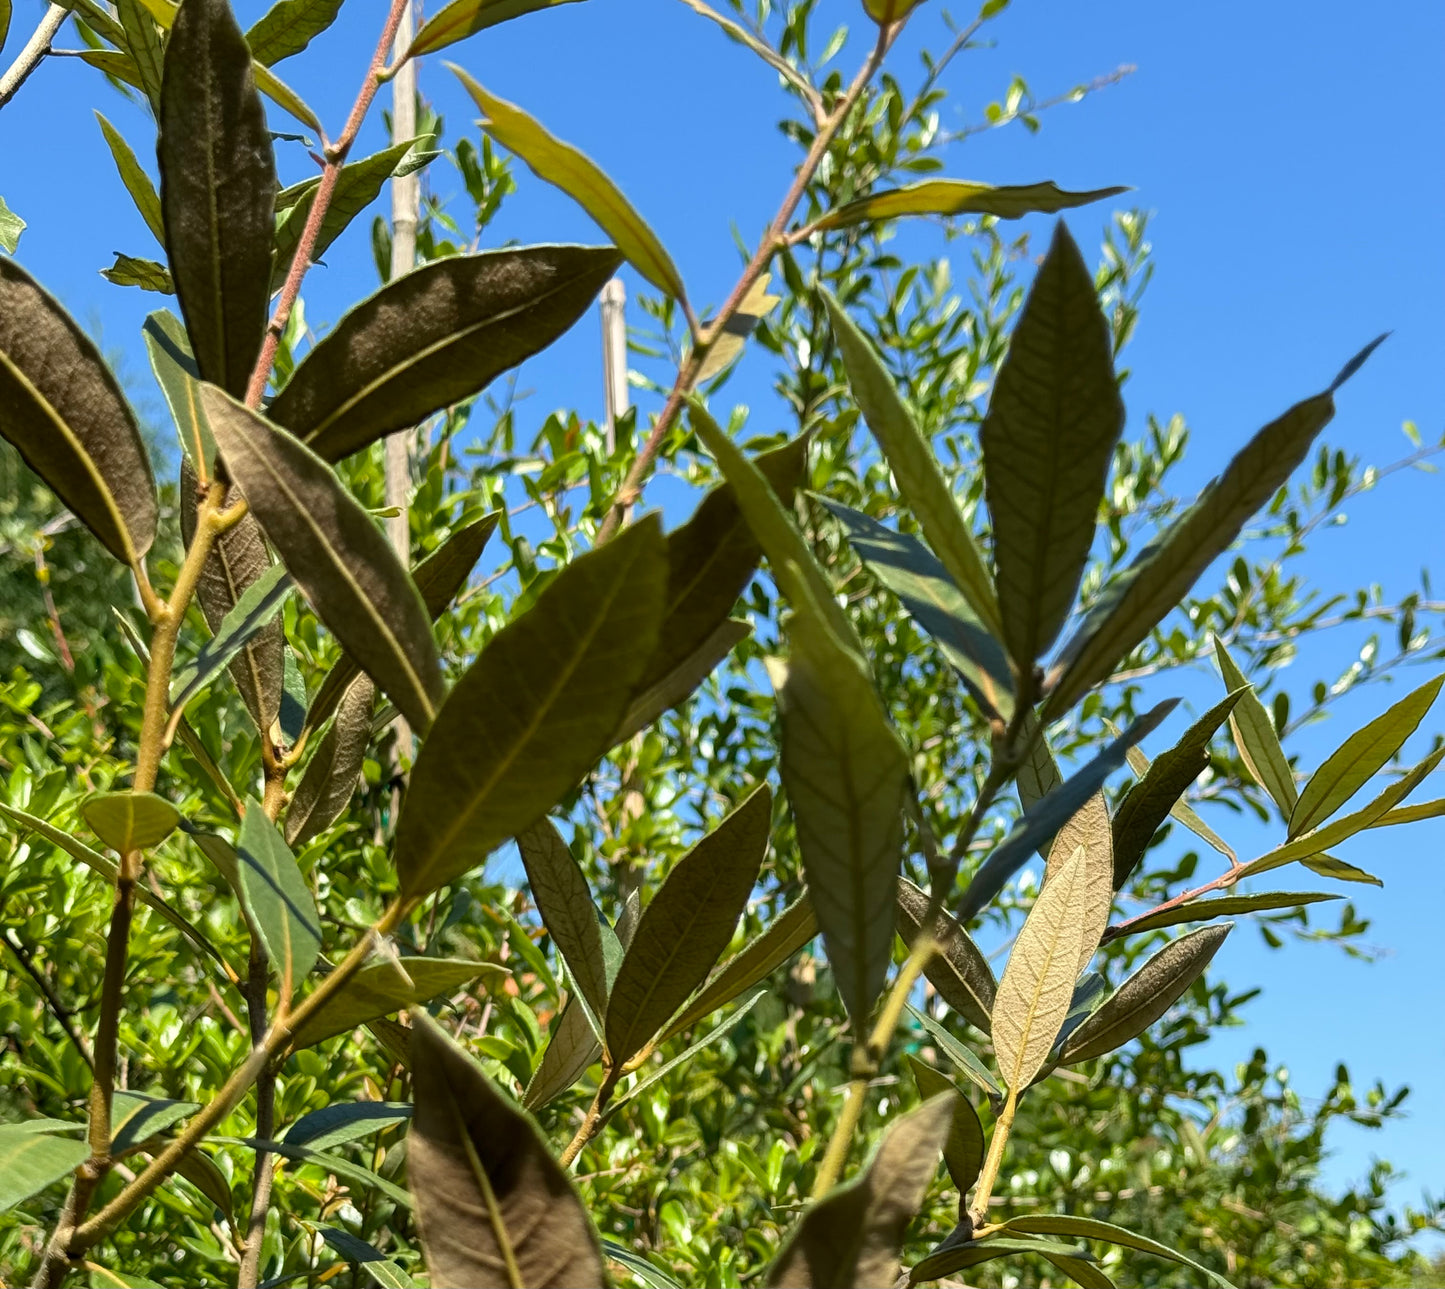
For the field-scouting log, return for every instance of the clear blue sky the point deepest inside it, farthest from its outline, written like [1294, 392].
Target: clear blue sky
[1291, 154]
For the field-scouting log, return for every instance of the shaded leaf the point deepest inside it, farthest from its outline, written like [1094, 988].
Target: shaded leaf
[494, 1209]
[732, 339]
[254, 609]
[572, 1046]
[361, 1178]
[218, 184]
[910, 457]
[31, 1161]
[336, 553]
[760, 957]
[334, 770]
[434, 337]
[176, 373]
[280, 903]
[463, 18]
[580, 178]
[1038, 983]
[1084, 1274]
[535, 711]
[1360, 757]
[852, 1236]
[61, 407]
[1224, 906]
[288, 26]
[392, 985]
[961, 197]
[963, 1151]
[959, 971]
[335, 1125]
[910, 571]
[127, 821]
[1053, 419]
[135, 1117]
[1329, 866]
[967, 1064]
[1089, 1228]
[737, 32]
[1162, 573]
[564, 901]
[137, 183]
[1255, 737]
[1146, 995]
[679, 685]
[652, 1277]
[948, 1258]
[1060, 805]
[689, 922]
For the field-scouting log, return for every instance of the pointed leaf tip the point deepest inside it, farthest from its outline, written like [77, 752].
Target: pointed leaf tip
[1358, 361]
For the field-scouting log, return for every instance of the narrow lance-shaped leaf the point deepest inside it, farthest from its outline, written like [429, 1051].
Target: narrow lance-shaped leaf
[1089, 828]
[463, 18]
[565, 903]
[1255, 737]
[535, 711]
[281, 94]
[178, 376]
[493, 1208]
[392, 985]
[1163, 572]
[1038, 774]
[952, 1256]
[143, 43]
[760, 957]
[580, 178]
[963, 1059]
[737, 32]
[218, 184]
[688, 924]
[1154, 797]
[910, 457]
[963, 1151]
[1053, 419]
[61, 407]
[345, 1121]
[1041, 823]
[1088, 1228]
[1146, 995]
[1038, 983]
[853, 1235]
[434, 337]
[288, 26]
[962, 197]
[572, 1045]
[337, 555]
[1360, 757]
[679, 684]
[137, 182]
[127, 821]
[279, 901]
[253, 611]
[911, 572]
[334, 770]
[1329, 866]
[1222, 906]
[959, 971]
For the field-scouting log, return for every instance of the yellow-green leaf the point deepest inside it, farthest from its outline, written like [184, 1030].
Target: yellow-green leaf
[960, 197]
[463, 18]
[1226, 906]
[288, 26]
[137, 183]
[963, 1151]
[127, 821]
[281, 905]
[580, 178]
[1255, 738]
[1090, 829]
[31, 1161]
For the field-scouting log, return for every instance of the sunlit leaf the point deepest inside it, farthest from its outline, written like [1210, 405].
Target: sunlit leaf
[967, 1064]
[463, 18]
[1329, 866]
[127, 821]
[580, 178]
[1225, 906]
[11, 226]
[960, 197]
[137, 183]
[493, 1209]
[733, 337]
[143, 43]
[149, 275]
[736, 31]
[345, 1121]
[1255, 738]
[281, 94]
[279, 901]
[1089, 1228]
[334, 769]
[950, 1257]
[959, 971]
[288, 26]
[176, 373]
[30, 1162]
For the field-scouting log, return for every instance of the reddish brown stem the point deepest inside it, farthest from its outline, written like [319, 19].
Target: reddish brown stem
[1218, 884]
[335, 158]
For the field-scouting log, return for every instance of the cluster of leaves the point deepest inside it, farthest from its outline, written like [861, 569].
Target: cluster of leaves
[593, 664]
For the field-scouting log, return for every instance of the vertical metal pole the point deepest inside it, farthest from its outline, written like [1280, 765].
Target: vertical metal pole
[614, 355]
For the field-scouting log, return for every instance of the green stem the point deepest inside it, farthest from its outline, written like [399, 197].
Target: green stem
[983, 1192]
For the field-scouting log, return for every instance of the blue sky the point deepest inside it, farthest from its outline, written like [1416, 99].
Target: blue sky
[1291, 157]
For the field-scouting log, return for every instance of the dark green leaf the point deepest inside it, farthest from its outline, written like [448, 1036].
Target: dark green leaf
[967, 1064]
[462, 18]
[288, 27]
[1329, 866]
[964, 1150]
[852, 1236]
[61, 407]
[1045, 820]
[581, 179]
[254, 609]
[1088, 1228]
[680, 684]
[127, 821]
[137, 182]
[360, 1178]
[345, 1121]
[1255, 737]
[382, 988]
[1084, 1274]
[494, 1209]
[688, 924]
[572, 1046]
[948, 1258]
[135, 1117]
[1152, 799]
[1163, 572]
[1053, 419]
[910, 457]
[960, 197]
[435, 337]
[30, 1162]
[1225, 906]
[280, 903]
[535, 711]
[651, 1276]
[218, 188]
[179, 378]
[564, 901]
[1146, 995]
[959, 971]
[908, 569]
[760, 957]
[334, 770]
[336, 553]
[1359, 758]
